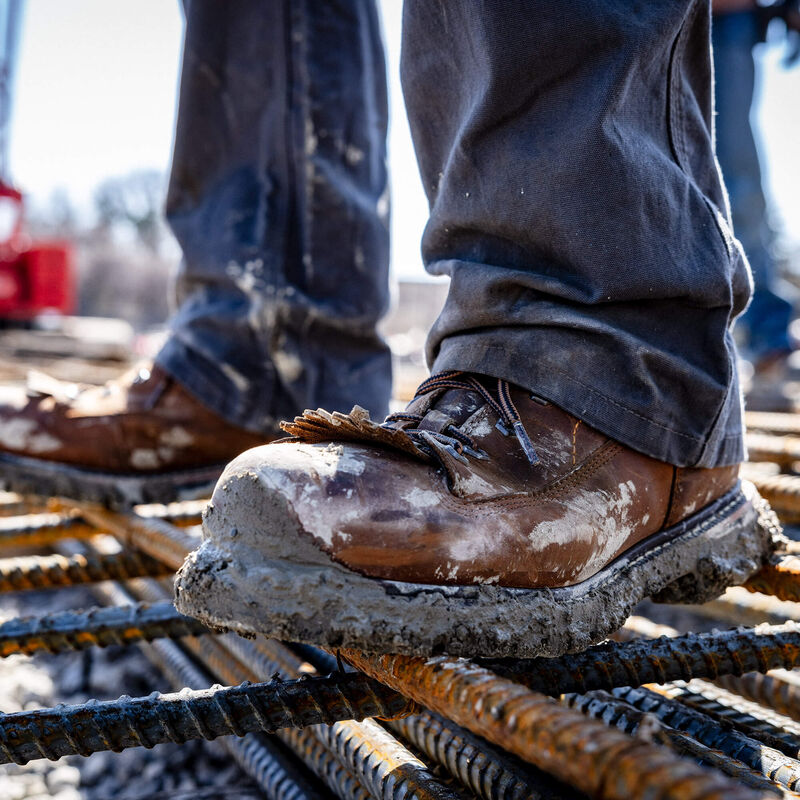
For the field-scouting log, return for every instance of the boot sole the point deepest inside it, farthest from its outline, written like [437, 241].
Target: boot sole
[275, 582]
[31, 476]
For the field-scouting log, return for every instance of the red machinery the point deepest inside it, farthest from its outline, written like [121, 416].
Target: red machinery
[35, 276]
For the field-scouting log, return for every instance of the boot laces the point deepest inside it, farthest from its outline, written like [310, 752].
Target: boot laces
[502, 405]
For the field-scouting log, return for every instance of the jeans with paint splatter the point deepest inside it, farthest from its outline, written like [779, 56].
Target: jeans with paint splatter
[576, 205]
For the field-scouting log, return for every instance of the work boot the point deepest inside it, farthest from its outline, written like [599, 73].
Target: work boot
[140, 439]
[483, 520]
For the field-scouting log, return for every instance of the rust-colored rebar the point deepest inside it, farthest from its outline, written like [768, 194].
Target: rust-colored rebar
[190, 714]
[625, 717]
[740, 606]
[781, 578]
[729, 709]
[95, 627]
[783, 450]
[778, 690]
[56, 571]
[40, 530]
[156, 537]
[183, 513]
[633, 663]
[600, 761]
[782, 492]
[778, 423]
[772, 763]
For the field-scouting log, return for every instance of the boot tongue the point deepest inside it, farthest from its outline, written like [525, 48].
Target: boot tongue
[452, 407]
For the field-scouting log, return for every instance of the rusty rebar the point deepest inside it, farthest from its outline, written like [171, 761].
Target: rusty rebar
[778, 690]
[183, 513]
[40, 530]
[772, 763]
[255, 754]
[773, 422]
[617, 713]
[783, 450]
[781, 578]
[740, 606]
[189, 714]
[633, 663]
[95, 627]
[730, 709]
[56, 571]
[157, 537]
[600, 761]
[782, 492]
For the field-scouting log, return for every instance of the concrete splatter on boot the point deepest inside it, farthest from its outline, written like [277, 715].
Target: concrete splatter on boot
[480, 521]
[139, 439]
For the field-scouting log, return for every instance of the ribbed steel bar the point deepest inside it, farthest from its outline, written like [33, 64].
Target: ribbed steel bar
[625, 717]
[600, 761]
[703, 655]
[783, 450]
[740, 606]
[772, 763]
[782, 492]
[780, 578]
[39, 530]
[257, 755]
[778, 690]
[772, 422]
[95, 627]
[730, 709]
[189, 714]
[12, 504]
[56, 571]
[163, 541]
[183, 513]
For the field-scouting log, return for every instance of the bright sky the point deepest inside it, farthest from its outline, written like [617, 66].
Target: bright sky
[95, 97]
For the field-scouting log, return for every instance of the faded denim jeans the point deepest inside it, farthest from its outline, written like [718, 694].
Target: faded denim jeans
[576, 205]
[766, 321]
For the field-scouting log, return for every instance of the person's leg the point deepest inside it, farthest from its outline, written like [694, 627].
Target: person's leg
[767, 318]
[578, 449]
[278, 197]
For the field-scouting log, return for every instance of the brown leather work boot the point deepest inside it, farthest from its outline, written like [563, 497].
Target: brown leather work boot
[139, 439]
[481, 521]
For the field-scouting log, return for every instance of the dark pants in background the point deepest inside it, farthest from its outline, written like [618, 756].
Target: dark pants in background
[575, 204]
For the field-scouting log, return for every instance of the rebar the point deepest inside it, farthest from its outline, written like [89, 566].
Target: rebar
[780, 578]
[633, 663]
[95, 627]
[55, 571]
[158, 538]
[782, 492]
[772, 763]
[257, 755]
[600, 761]
[772, 422]
[40, 530]
[728, 708]
[184, 513]
[743, 607]
[778, 690]
[625, 717]
[189, 714]
[783, 450]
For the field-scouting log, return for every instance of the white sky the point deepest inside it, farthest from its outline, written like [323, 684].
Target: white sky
[95, 97]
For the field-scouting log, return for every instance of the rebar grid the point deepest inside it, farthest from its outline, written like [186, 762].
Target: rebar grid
[56, 571]
[43, 529]
[772, 763]
[741, 606]
[95, 627]
[255, 754]
[783, 450]
[616, 712]
[782, 492]
[598, 760]
[633, 663]
[189, 714]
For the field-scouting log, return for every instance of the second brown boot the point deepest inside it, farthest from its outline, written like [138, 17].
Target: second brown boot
[140, 439]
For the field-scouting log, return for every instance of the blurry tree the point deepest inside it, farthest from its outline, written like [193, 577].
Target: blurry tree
[135, 200]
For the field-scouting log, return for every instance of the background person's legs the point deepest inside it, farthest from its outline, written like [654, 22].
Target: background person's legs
[278, 197]
[734, 35]
[577, 206]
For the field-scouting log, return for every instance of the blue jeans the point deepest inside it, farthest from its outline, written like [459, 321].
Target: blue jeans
[766, 320]
[575, 204]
